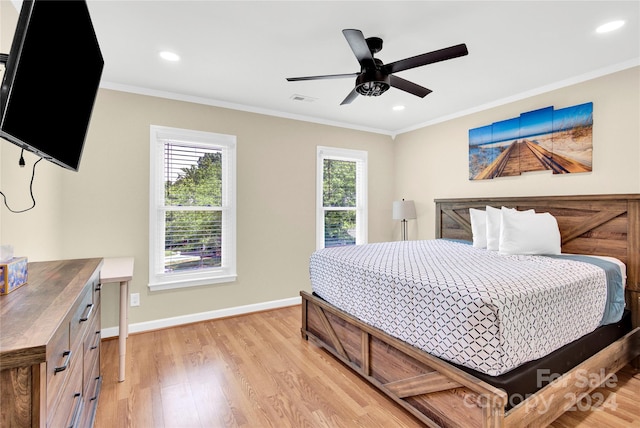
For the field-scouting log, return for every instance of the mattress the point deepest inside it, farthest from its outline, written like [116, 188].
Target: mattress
[477, 308]
[528, 378]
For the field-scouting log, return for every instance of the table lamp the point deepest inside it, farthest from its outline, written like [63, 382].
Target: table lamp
[404, 210]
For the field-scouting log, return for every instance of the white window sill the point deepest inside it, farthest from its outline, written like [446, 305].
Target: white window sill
[171, 284]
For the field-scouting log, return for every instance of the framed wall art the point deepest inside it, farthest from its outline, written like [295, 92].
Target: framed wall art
[545, 139]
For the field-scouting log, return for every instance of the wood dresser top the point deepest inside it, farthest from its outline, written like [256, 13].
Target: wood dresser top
[30, 315]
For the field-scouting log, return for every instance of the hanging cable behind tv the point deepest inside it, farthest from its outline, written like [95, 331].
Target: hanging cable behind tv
[33, 174]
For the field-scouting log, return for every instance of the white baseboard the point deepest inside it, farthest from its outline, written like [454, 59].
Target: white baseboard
[202, 316]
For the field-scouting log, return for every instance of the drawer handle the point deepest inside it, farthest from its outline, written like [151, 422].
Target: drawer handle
[64, 365]
[77, 410]
[94, 399]
[98, 388]
[98, 287]
[97, 341]
[88, 311]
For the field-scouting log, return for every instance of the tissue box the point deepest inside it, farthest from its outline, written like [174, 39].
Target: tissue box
[13, 274]
[6, 253]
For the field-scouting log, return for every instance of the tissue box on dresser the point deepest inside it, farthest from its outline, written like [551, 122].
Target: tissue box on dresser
[13, 274]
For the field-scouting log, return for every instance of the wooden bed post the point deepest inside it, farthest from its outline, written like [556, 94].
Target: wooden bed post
[633, 267]
[633, 303]
[493, 413]
[303, 329]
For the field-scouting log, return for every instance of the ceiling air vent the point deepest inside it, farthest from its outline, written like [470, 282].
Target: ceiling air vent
[297, 97]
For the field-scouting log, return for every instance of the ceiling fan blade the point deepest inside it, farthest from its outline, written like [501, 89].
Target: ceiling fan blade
[328, 76]
[352, 96]
[427, 58]
[359, 46]
[410, 87]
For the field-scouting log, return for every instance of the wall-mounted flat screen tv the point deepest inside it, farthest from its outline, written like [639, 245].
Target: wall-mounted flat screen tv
[51, 80]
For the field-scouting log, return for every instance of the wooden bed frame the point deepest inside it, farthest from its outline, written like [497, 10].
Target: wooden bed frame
[441, 395]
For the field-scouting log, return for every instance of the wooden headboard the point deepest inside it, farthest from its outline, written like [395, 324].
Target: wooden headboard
[605, 225]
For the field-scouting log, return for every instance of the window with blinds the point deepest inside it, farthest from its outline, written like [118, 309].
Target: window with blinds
[342, 202]
[192, 208]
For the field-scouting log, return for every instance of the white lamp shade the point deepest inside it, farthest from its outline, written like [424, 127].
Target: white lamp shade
[404, 210]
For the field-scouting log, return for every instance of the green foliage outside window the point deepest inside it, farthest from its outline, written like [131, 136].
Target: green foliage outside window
[197, 185]
[193, 237]
[339, 191]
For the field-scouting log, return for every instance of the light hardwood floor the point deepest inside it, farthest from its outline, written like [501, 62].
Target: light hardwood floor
[257, 371]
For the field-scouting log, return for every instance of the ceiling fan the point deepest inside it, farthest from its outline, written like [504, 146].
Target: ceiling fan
[375, 77]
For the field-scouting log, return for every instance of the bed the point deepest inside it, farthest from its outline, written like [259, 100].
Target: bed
[443, 392]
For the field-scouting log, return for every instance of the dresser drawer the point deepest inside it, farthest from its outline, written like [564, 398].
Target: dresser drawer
[91, 394]
[59, 363]
[82, 317]
[68, 411]
[91, 349]
[97, 288]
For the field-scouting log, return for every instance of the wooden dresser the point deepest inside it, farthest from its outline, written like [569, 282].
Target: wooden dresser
[50, 346]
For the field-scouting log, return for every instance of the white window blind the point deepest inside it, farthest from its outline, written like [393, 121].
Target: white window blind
[192, 208]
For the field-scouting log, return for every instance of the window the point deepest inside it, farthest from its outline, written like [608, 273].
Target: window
[192, 229]
[341, 197]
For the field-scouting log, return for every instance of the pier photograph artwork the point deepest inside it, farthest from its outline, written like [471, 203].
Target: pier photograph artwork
[544, 139]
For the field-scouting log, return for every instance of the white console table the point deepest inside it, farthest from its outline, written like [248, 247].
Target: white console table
[120, 270]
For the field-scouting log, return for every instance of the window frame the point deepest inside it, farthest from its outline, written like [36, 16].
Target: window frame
[361, 159]
[159, 280]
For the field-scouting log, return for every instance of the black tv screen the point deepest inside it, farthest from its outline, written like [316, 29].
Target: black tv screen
[51, 80]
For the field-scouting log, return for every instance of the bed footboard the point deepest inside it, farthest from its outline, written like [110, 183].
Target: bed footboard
[435, 392]
[439, 394]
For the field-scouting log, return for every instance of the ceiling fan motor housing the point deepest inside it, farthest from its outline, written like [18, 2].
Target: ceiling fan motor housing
[374, 44]
[372, 82]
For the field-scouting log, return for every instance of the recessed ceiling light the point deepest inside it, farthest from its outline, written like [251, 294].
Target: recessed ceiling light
[169, 56]
[398, 108]
[609, 26]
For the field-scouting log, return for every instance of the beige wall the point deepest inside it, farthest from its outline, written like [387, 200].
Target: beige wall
[106, 202]
[432, 162]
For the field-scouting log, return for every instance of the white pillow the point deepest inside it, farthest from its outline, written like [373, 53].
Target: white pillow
[493, 228]
[478, 227]
[524, 233]
[494, 219]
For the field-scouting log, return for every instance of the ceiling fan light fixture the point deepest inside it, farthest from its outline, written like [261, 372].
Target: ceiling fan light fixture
[372, 89]
[372, 83]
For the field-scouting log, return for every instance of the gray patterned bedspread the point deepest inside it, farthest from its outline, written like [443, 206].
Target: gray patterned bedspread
[471, 306]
